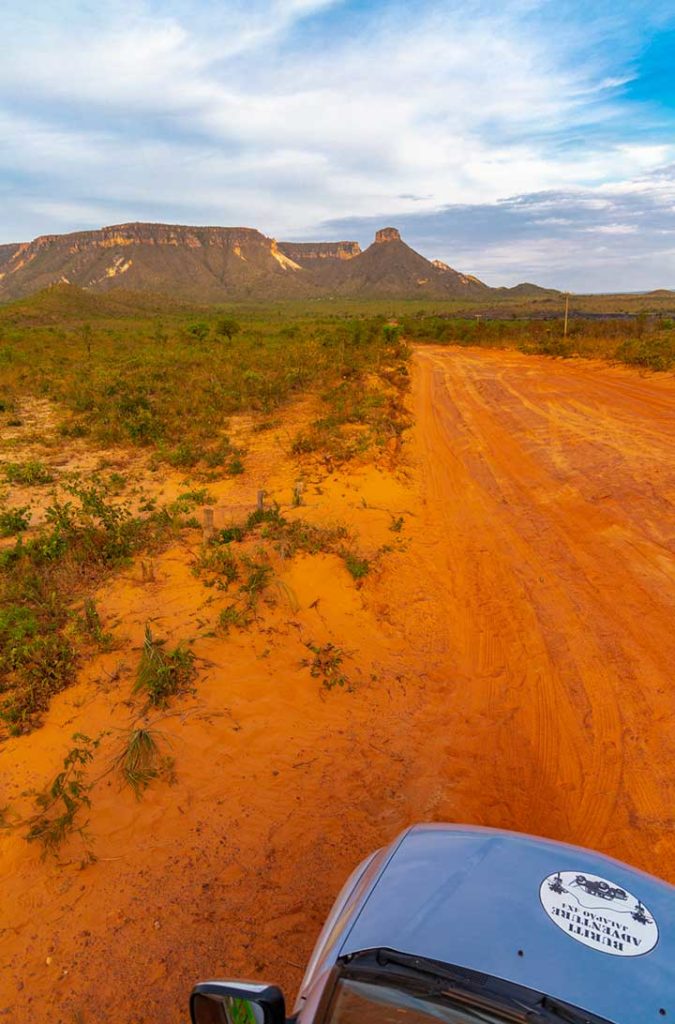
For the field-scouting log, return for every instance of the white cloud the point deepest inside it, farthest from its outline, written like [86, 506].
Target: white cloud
[612, 229]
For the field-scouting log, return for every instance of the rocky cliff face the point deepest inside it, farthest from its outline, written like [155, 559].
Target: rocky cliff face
[200, 263]
[387, 235]
[213, 264]
[6, 253]
[307, 254]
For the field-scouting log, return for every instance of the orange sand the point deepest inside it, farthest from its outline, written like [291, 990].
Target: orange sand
[511, 661]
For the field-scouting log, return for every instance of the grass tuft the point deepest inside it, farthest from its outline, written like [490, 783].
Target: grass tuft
[162, 675]
[140, 761]
[357, 566]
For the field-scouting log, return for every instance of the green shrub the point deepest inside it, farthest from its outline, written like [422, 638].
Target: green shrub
[357, 566]
[31, 473]
[304, 444]
[185, 455]
[258, 577]
[217, 558]
[14, 520]
[189, 500]
[226, 327]
[46, 666]
[229, 534]
[218, 454]
[18, 626]
[199, 330]
[651, 352]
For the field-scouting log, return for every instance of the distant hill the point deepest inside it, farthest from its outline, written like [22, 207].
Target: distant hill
[66, 301]
[529, 291]
[214, 264]
[389, 267]
[202, 264]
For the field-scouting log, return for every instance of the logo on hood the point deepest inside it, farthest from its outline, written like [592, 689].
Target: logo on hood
[599, 913]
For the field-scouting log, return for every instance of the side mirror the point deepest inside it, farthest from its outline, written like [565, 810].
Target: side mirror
[236, 1002]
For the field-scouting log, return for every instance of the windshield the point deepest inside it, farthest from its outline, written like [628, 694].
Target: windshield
[386, 987]
[362, 1002]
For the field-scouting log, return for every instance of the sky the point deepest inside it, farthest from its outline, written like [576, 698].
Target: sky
[518, 140]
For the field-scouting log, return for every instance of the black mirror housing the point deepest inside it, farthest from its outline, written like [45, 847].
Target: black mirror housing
[237, 1002]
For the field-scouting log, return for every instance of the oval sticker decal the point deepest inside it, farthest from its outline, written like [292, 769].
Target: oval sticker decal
[599, 913]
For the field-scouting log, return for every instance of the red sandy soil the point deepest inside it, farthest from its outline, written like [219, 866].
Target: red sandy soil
[511, 665]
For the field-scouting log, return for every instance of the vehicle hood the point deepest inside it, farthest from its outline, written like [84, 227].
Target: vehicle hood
[488, 901]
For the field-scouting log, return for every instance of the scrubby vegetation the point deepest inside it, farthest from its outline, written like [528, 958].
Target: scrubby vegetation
[237, 558]
[28, 473]
[170, 384]
[645, 341]
[82, 540]
[118, 375]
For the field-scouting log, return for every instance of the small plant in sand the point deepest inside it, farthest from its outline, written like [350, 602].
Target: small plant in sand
[90, 624]
[140, 761]
[357, 566]
[189, 500]
[326, 664]
[14, 520]
[161, 674]
[256, 577]
[29, 474]
[233, 616]
[220, 561]
[61, 805]
[18, 627]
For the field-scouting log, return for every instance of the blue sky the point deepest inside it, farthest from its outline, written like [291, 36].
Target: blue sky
[517, 141]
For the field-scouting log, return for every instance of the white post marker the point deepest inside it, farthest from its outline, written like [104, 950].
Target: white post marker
[567, 309]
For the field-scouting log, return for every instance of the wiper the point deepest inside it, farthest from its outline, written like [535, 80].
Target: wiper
[560, 1011]
[472, 988]
[455, 985]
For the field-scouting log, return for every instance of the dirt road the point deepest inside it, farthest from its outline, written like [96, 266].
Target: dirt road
[554, 535]
[511, 657]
